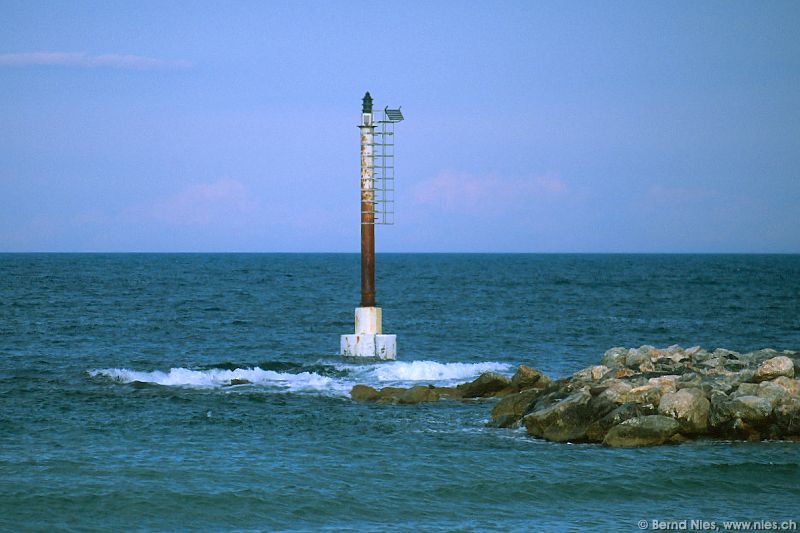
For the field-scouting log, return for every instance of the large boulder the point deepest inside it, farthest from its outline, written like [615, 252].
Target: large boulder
[689, 407]
[638, 356]
[510, 409]
[563, 421]
[787, 419]
[644, 394]
[486, 384]
[773, 368]
[418, 394]
[364, 393]
[592, 373]
[753, 409]
[792, 386]
[772, 392]
[526, 377]
[614, 358]
[740, 417]
[649, 430]
[390, 395]
[616, 390]
[597, 430]
[451, 393]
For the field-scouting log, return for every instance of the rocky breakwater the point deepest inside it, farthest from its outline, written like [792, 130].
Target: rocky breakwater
[647, 396]
[637, 397]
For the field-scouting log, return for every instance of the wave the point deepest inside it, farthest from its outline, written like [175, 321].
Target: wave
[327, 379]
[430, 371]
[216, 378]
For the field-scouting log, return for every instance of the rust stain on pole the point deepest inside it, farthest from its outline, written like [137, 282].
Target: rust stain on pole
[367, 206]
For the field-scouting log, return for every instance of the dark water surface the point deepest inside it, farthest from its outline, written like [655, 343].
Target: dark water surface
[115, 414]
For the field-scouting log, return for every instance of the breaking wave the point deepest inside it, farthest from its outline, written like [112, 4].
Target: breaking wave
[334, 380]
[430, 371]
[214, 378]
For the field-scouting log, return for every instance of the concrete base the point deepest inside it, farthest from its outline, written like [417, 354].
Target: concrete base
[368, 340]
[369, 345]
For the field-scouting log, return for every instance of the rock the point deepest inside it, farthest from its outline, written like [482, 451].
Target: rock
[773, 368]
[674, 354]
[667, 383]
[624, 373]
[723, 354]
[650, 430]
[617, 391]
[711, 362]
[772, 392]
[688, 381]
[694, 350]
[746, 389]
[364, 393]
[596, 431]
[787, 419]
[739, 417]
[239, 381]
[418, 394]
[647, 366]
[751, 408]
[644, 394]
[505, 391]
[791, 386]
[486, 384]
[689, 407]
[759, 356]
[390, 394]
[637, 356]
[592, 373]
[700, 355]
[452, 393]
[614, 358]
[526, 377]
[563, 421]
[510, 409]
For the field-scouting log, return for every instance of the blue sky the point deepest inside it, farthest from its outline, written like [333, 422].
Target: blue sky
[530, 126]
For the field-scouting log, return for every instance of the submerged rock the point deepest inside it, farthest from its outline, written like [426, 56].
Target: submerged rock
[363, 393]
[418, 394]
[650, 430]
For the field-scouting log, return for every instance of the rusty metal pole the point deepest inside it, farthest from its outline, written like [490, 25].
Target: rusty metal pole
[369, 341]
[367, 205]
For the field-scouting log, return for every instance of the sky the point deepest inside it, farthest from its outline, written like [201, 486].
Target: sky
[529, 126]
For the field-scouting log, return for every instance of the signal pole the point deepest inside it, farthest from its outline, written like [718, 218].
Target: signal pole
[377, 207]
[367, 205]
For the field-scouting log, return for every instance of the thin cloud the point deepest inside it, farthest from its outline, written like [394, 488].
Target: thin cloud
[225, 201]
[468, 194]
[83, 60]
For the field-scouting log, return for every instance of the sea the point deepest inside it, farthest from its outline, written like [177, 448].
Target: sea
[117, 411]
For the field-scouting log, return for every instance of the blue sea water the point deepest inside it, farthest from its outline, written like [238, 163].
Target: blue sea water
[116, 414]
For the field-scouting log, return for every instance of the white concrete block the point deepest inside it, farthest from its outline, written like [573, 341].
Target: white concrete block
[370, 346]
[368, 320]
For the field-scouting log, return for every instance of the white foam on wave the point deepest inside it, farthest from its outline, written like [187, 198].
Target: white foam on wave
[428, 371]
[400, 373]
[215, 378]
